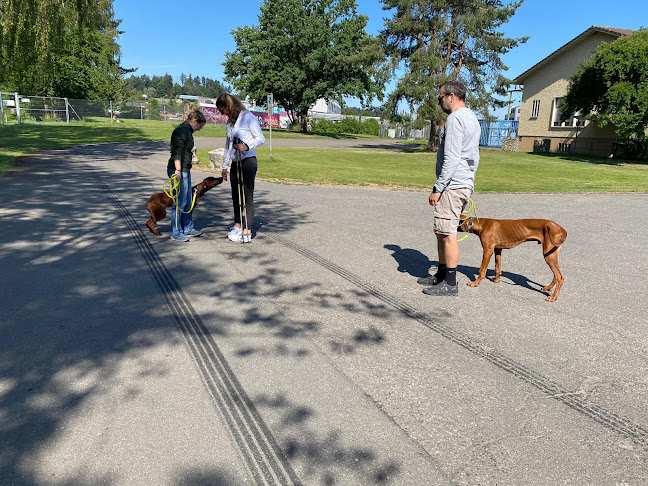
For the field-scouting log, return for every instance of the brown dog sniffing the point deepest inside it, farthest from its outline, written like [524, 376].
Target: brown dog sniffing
[501, 234]
[158, 203]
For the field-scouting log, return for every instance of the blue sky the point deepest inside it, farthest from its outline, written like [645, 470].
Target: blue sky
[164, 37]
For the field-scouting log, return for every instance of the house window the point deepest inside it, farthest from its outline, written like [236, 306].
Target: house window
[535, 109]
[576, 120]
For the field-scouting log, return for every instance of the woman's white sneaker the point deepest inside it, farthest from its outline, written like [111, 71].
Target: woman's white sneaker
[234, 231]
[240, 238]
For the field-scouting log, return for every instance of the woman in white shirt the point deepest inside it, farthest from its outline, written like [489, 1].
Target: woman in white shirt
[243, 136]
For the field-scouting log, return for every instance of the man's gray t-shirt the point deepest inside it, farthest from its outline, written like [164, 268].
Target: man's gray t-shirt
[458, 155]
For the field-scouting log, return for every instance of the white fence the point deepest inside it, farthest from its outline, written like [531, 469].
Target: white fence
[404, 133]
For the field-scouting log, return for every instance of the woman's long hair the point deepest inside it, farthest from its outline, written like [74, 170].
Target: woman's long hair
[233, 105]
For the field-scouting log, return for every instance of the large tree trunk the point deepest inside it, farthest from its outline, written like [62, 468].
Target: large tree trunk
[433, 141]
[303, 123]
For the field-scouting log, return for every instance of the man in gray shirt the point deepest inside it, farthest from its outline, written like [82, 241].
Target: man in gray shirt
[457, 161]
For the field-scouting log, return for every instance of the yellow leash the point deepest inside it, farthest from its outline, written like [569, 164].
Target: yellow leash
[472, 210]
[174, 184]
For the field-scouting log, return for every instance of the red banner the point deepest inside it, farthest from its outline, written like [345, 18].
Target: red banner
[264, 119]
[213, 115]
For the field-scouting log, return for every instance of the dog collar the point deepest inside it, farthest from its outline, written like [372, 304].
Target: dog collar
[470, 223]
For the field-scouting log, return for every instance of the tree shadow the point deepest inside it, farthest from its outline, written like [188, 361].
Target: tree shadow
[211, 477]
[362, 337]
[324, 452]
[406, 148]
[589, 159]
[337, 136]
[78, 300]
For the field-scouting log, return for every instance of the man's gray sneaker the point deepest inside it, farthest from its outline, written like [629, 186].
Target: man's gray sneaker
[432, 280]
[442, 289]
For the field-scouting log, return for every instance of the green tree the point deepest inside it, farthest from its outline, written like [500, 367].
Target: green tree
[34, 36]
[611, 87]
[436, 41]
[86, 67]
[163, 86]
[370, 127]
[302, 51]
[153, 110]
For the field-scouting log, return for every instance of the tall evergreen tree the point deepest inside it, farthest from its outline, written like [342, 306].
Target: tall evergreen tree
[304, 50]
[164, 86]
[436, 41]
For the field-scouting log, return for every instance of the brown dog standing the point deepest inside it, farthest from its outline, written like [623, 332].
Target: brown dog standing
[158, 203]
[501, 234]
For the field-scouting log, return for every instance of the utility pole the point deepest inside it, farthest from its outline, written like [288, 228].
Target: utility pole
[270, 102]
[511, 91]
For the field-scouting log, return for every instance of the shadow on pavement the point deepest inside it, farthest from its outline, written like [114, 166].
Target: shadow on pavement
[79, 302]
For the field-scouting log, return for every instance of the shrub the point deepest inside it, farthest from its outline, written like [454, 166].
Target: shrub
[320, 126]
[347, 125]
[370, 127]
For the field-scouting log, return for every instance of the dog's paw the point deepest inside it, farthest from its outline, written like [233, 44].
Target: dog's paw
[473, 284]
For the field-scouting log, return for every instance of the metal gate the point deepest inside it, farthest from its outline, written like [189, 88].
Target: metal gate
[492, 133]
[17, 108]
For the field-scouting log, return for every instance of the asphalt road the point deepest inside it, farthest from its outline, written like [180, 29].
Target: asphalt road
[311, 355]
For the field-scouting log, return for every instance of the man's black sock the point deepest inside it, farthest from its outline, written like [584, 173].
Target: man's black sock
[440, 273]
[451, 276]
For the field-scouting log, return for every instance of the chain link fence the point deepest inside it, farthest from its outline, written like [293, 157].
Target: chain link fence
[17, 108]
[148, 110]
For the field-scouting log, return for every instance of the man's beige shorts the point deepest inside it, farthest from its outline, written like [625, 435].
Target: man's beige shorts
[447, 212]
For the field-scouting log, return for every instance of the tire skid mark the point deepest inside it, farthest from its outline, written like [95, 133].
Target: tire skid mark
[263, 457]
[621, 425]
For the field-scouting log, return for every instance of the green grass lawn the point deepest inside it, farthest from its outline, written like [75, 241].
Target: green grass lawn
[405, 167]
[19, 139]
[16, 139]
[498, 171]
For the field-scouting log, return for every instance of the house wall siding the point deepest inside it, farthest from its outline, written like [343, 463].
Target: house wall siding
[552, 81]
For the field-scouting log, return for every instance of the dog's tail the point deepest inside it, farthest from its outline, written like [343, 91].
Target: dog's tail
[557, 234]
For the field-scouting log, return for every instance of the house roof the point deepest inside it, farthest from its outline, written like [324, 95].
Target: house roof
[612, 31]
